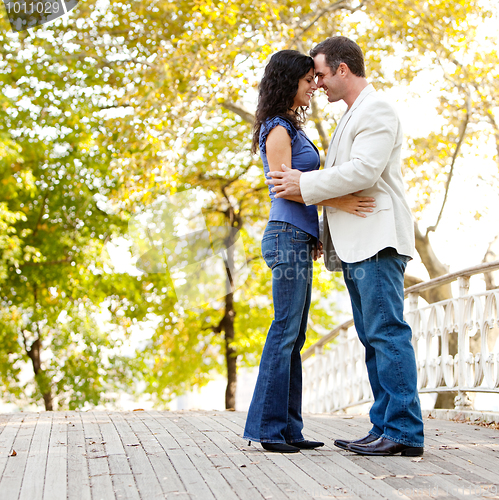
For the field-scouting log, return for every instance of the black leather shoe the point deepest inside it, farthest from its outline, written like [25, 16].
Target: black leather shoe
[384, 447]
[280, 447]
[343, 443]
[307, 445]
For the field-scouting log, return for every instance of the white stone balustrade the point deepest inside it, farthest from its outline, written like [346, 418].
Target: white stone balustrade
[456, 343]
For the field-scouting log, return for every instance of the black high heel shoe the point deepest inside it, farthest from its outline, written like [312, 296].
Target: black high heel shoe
[280, 447]
[307, 445]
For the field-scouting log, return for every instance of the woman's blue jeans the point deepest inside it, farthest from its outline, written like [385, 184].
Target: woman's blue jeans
[376, 288]
[274, 415]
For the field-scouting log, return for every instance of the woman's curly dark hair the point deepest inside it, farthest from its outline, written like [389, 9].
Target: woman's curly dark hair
[278, 89]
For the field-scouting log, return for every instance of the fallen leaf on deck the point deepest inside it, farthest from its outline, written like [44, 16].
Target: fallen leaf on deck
[13, 453]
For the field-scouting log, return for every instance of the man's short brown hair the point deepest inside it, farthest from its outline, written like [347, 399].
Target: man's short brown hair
[340, 49]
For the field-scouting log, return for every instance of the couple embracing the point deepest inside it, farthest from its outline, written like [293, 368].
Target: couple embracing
[367, 233]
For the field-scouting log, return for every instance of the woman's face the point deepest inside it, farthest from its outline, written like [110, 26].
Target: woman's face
[306, 89]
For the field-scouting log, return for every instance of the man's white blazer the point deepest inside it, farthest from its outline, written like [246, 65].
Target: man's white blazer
[364, 155]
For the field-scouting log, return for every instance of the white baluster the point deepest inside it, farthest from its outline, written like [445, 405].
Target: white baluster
[462, 401]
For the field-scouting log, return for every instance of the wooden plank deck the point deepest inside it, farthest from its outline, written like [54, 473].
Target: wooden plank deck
[147, 455]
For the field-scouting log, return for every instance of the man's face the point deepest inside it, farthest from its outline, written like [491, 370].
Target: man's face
[332, 84]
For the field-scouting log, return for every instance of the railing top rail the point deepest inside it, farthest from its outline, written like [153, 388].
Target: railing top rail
[448, 278]
[420, 287]
[326, 339]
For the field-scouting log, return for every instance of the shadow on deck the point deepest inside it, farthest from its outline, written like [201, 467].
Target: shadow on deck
[201, 455]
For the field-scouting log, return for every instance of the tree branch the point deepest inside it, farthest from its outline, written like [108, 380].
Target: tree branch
[493, 122]
[42, 212]
[47, 263]
[341, 4]
[464, 126]
[490, 256]
[318, 122]
[246, 115]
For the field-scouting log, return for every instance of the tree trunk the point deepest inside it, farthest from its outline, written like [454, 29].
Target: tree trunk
[40, 378]
[49, 403]
[228, 321]
[435, 268]
[230, 355]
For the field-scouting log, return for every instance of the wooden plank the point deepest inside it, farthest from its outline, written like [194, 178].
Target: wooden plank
[396, 472]
[440, 479]
[9, 429]
[446, 441]
[443, 484]
[124, 483]
[4, 420]
[338, 427]
[239, 469]
[157, 450]
[101, 485]
[34, 474]
[350, 429]
[77, 467]
[341, 482]
[194, 480]
[298, 482]
[145, 477]
[157, 455]
[325, 483]
[258, 458]
[12, 478]
[348, 467]
[215, 481]
[184, 457]
[55, 487]
[345, 475]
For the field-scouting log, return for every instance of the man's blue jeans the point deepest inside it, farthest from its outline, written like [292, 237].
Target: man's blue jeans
[376, 288]
[274, 415]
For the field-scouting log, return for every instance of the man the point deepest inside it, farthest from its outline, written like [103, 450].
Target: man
[372, 251]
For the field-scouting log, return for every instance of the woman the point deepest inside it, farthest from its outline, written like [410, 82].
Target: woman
[290, 242]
